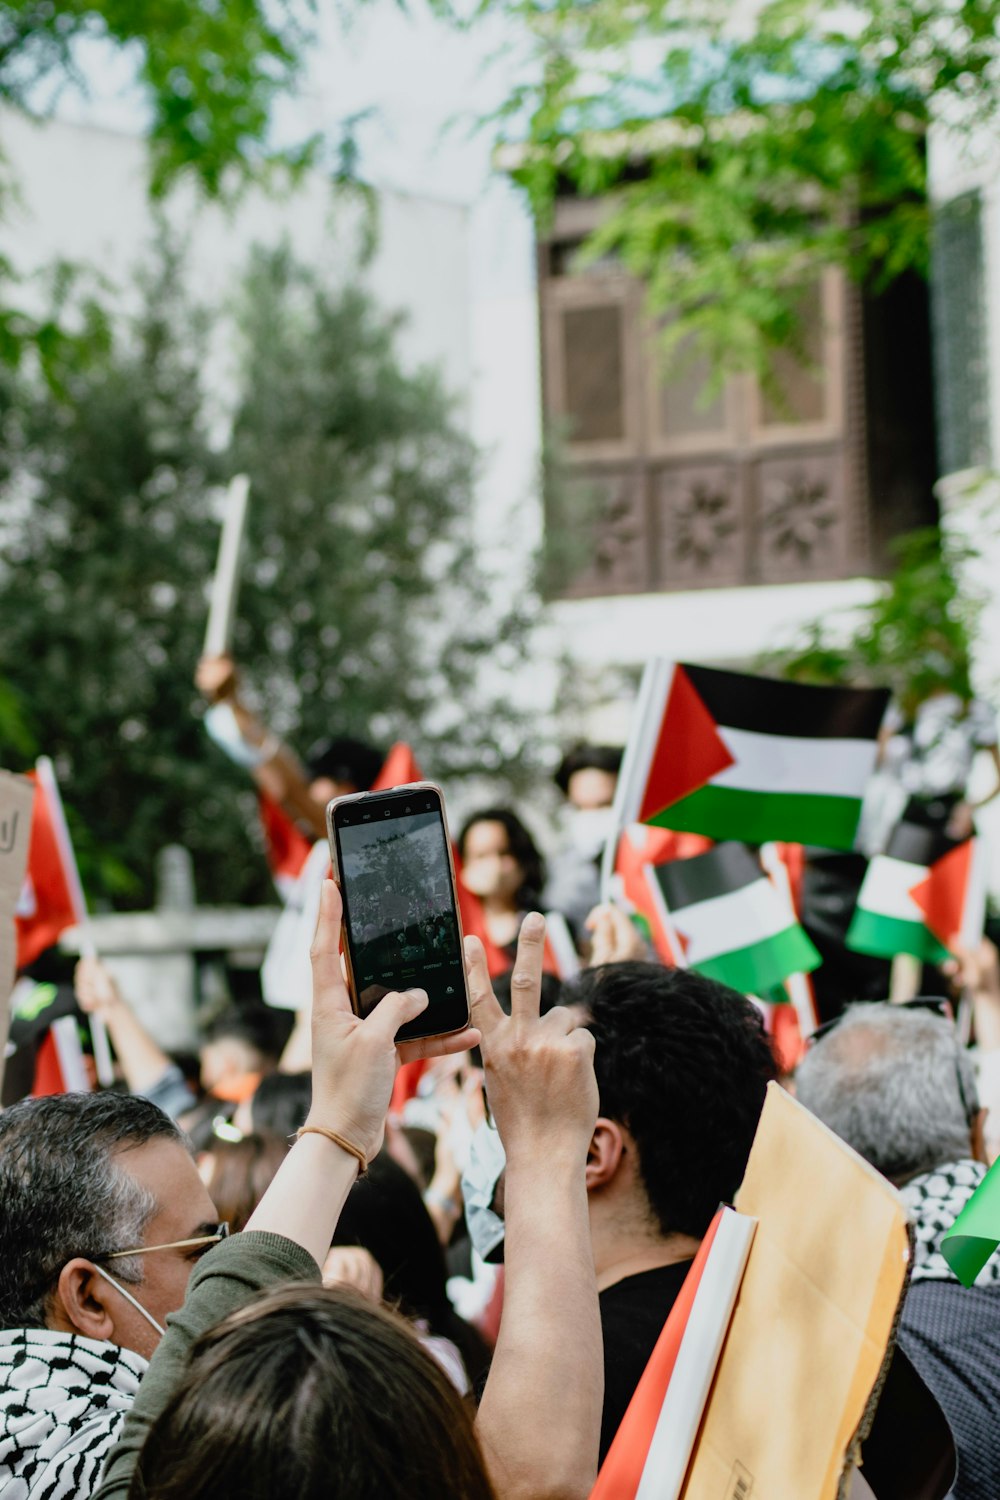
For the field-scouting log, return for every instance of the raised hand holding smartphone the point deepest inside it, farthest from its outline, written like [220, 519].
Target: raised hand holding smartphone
[391, 855]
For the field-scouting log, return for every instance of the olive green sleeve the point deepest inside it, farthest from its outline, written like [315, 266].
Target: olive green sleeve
[228, 1277]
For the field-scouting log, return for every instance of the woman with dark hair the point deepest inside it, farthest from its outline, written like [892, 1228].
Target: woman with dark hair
[385, 1215]
[501, 865]
[307, 1393]
[363, 1411]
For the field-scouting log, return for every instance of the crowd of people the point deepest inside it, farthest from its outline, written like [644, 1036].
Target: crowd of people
[313, 1262]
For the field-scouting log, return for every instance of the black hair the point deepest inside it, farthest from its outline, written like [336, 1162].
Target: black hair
[259, 1026]
[522, 847]
[344, 759]
[683, 1063]
[585, 757]
[62, 1194]
[281, 1103]
[385, 1214]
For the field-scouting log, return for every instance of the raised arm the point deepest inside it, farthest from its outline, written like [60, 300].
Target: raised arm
[144, 1063]
[289, 1234]
[540, 1417]
[238, 731]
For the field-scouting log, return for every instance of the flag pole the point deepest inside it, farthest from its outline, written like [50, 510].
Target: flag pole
[88, 949]
[622, 813]
[226, 580]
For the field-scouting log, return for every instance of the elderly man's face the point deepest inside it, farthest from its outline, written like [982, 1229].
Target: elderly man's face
[184, 1212]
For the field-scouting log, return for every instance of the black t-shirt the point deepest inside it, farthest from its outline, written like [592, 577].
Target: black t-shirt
[633, 1313]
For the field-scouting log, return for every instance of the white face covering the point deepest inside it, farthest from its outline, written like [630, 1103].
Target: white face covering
[589, 830]
[134, 1300]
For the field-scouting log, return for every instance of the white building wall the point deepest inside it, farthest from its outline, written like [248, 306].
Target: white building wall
[82, 196]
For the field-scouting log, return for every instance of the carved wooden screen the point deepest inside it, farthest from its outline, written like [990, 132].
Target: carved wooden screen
[661, 487]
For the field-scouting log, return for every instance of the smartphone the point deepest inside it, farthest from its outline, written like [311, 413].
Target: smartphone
[392, 856]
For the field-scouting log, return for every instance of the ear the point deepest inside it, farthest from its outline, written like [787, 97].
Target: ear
[978, 1137]
[604, 1154]
[81, 1301]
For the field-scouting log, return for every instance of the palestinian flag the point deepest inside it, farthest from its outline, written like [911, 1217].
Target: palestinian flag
[639, 849]
[729, 920]
[649, 1457]
[749, 758]
[926, 895]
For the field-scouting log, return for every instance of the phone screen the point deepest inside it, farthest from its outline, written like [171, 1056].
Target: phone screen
[399, 905]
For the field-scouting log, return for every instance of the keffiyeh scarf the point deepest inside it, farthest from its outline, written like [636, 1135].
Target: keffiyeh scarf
[935, 1200]
[63, 1399]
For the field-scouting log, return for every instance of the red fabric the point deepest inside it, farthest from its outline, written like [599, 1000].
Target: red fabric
[639, 847]
[399, 769]
[793, 857]
[489, 1322]
[287, 847]
[407, 1081]
[786, 1037]
[48, 1069]
[46, 907]
[621, 1472]
[941, 895]
[689, 750]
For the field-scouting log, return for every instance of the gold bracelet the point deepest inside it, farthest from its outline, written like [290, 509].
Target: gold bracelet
[338, 1140]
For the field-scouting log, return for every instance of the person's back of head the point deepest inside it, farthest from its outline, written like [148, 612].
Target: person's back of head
[65, 1191]
[683, 1064]
[312, 1393]
[893, 1082]
[281, 1103]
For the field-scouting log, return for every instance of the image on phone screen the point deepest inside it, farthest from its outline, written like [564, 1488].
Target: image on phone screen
[400, 909]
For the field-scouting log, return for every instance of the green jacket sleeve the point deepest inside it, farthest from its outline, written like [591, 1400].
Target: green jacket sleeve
[229, 1276]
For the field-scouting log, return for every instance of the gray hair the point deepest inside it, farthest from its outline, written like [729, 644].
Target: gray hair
[895, 1084]
[65, 1190]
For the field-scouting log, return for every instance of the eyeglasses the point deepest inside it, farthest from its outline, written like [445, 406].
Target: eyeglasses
[220, 1232]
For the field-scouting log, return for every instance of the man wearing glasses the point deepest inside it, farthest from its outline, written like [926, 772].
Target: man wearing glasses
[102, 1219]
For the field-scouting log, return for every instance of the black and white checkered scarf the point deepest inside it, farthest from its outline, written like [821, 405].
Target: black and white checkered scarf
[63, 1399]
[935, 1200]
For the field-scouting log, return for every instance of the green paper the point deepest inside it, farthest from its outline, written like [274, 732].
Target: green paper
[975, 1234]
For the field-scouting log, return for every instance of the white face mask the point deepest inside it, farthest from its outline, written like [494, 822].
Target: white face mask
[134, 1300]
[589, 830]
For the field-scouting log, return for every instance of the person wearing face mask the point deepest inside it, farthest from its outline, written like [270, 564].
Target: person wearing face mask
[104, 1219]
[587, 777]
[501, 866]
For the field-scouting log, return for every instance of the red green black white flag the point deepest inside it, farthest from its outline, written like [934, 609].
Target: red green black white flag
[730, 921]
[926, 895]
[734, 756]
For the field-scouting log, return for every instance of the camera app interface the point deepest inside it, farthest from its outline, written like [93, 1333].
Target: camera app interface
[399, 901]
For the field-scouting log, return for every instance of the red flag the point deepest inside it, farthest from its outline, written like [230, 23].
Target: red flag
[399, 769]
[639, 849]
[286, 846]
[50, 898]
[59, 1062]
[952, 896]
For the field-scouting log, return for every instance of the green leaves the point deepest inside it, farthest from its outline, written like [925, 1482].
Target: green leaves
[362, 611]
[211, 72]
[742, 160]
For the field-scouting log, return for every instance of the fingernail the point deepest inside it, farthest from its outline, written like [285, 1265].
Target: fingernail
[533, 924]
